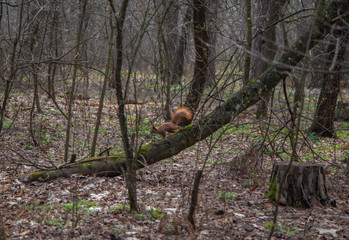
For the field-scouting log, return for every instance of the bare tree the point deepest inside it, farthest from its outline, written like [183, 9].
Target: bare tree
[212, 31]
[247, 64]
[75, 69]
[265, 43]
[104, 87]
[130, 173]
[323, 123]
[201, 54]
[12, 65]
[178, 64]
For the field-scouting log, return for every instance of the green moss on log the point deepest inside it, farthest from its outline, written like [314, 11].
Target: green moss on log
[143, 150]
[36, 175]
[88, 165]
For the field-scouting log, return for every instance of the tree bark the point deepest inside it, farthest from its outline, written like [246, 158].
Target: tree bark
[265, 43]
[53, 51]
[194, 198]
[130, 161]
[104, 87]
[178, 65]
[247, 63]
[13, 67]
[212, 29]
[305, 185]
[323, 123]
[201, 50]
[249, 95]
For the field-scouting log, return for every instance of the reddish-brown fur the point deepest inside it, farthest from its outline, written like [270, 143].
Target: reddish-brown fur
[178, 115]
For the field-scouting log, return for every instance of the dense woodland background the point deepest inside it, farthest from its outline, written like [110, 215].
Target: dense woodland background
[82, 81]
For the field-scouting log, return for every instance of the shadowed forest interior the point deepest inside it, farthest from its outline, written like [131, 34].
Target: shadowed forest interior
[166, 119]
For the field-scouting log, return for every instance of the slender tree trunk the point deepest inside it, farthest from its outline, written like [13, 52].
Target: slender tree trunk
[13, 67]
[265, 43]
[104, 88]
[34, 65]
[247, 64]
[194, 197]
[130, 161]
[75, 69]
[53, 49]
[201, 51]
[323, 123]
[178, 65]
[85, 72]
[171, 34]
[317, 64]
[212, 16]
[165, 49]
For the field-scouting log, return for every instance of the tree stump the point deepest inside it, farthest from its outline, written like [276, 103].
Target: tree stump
[304, 185]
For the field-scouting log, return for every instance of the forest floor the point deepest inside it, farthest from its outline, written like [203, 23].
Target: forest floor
[232, 203]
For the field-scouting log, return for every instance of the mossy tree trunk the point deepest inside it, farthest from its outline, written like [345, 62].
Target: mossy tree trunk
[249, 95]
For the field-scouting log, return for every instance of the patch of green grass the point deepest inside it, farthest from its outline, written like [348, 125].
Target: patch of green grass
[117, 229]
[227, 195]
[29, 146]
[288, 230]
[24, 79]
[140, 215]
[218, 161]
[103, 131]
[54, 111]
[345, 125]
[50, 155]
[59, 134]
[123, 207]
[22, 136]
[155, 213]
[8, 124]
[44, 138]
[342, 133]
[58, 126]
[56, 222]
[150, 212]
[333, 170]
[81, 205]
[313, 137]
